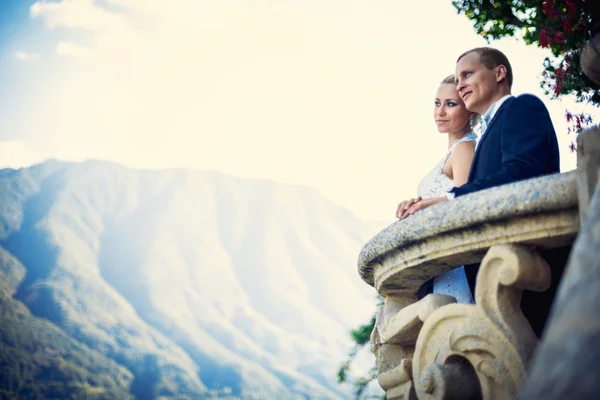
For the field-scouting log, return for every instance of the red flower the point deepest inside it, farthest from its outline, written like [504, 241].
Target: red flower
[559, 38]
[559, 76]
[567, 26]
[568, 62]
[544, 39]
[545, 7]
[569, 116]
[572, 147]
[571, 8]
[548, 7]
[557, 89]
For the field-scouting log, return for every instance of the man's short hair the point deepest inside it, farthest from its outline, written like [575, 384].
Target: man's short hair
[492, 58]
[450, 79]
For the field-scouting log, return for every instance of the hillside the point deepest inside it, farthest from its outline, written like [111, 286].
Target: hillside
[176, 284]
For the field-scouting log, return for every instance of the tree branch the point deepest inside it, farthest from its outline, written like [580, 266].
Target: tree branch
[505, 14]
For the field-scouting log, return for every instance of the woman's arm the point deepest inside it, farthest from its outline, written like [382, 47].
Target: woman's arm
[461, 159]
[460, 162]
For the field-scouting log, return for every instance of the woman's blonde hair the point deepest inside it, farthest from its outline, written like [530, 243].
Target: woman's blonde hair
[450, 79]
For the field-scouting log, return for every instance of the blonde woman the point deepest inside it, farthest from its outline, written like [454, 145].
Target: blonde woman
[453, 119]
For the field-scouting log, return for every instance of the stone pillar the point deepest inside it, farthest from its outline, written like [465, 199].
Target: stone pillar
[590, 59]
[588, 166]
[566, 365]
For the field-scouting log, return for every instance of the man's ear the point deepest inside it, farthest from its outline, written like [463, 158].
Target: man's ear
[500, 73]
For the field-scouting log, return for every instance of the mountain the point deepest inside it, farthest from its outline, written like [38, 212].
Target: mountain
[173, 284]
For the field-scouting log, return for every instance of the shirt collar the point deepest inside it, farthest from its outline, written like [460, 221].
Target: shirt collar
[489, 115]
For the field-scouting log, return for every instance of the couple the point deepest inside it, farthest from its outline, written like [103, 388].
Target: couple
[517, 142]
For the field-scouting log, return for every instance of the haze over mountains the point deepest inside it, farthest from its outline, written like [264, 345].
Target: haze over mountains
[124, 283]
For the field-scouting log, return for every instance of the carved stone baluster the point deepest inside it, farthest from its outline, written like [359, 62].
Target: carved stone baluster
[394, 336]
[481, 351]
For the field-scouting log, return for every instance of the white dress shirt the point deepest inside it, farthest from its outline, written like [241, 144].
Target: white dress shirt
[489, 115]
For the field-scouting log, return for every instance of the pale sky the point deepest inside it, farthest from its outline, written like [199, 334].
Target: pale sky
[336, 95]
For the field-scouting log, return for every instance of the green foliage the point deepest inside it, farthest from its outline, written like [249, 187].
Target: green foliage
[361, 336]
[561, 26]
[39, 361]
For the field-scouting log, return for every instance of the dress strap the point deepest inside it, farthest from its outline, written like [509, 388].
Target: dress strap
[469, 137]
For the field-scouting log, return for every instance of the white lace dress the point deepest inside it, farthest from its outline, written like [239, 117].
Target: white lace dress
[436, 184]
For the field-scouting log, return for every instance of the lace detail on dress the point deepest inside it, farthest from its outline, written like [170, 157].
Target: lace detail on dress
[436, 183]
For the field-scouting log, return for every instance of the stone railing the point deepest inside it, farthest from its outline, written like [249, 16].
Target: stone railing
[434, 348]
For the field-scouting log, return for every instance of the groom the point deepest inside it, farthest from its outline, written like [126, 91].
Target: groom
[517, 142]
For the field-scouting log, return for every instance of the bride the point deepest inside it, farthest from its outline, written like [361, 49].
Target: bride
[452, 118]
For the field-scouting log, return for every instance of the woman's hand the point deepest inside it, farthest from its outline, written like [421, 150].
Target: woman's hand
[402, 209]
[423, 204]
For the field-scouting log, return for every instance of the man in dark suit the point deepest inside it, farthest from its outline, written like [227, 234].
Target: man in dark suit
[518, 142]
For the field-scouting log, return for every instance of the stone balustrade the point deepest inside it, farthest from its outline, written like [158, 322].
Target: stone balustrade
[434, 348]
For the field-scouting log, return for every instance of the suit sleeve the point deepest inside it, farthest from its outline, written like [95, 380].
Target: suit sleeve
[525, 145]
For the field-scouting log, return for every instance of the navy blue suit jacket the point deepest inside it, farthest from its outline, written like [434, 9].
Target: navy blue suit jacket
[520, 143]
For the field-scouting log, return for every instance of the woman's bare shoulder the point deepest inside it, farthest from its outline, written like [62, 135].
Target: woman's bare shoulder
[463, 149]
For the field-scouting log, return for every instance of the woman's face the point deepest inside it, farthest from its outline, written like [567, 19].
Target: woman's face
[449, 111]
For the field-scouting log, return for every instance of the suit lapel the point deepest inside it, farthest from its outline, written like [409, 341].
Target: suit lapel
[485, 136]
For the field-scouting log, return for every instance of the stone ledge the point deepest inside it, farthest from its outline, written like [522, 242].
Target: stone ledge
[542, 212]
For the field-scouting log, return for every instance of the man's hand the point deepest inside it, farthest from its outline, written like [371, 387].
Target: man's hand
[421, 205]
[405, 205]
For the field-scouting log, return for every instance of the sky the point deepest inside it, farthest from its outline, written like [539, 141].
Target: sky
[336, 95]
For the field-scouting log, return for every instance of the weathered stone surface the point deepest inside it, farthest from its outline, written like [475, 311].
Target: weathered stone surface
[588, 165]
[393, 340]
[566, 364]
[590, 59]
[397, 381]
[393, 358]
[402, 326]
[457, 350]
[492, 336]
[542, 212]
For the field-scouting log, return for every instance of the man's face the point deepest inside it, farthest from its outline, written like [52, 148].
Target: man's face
[477, 85]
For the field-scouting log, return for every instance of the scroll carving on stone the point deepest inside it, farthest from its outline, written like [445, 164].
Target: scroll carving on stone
[481, 351]
[393, 339]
